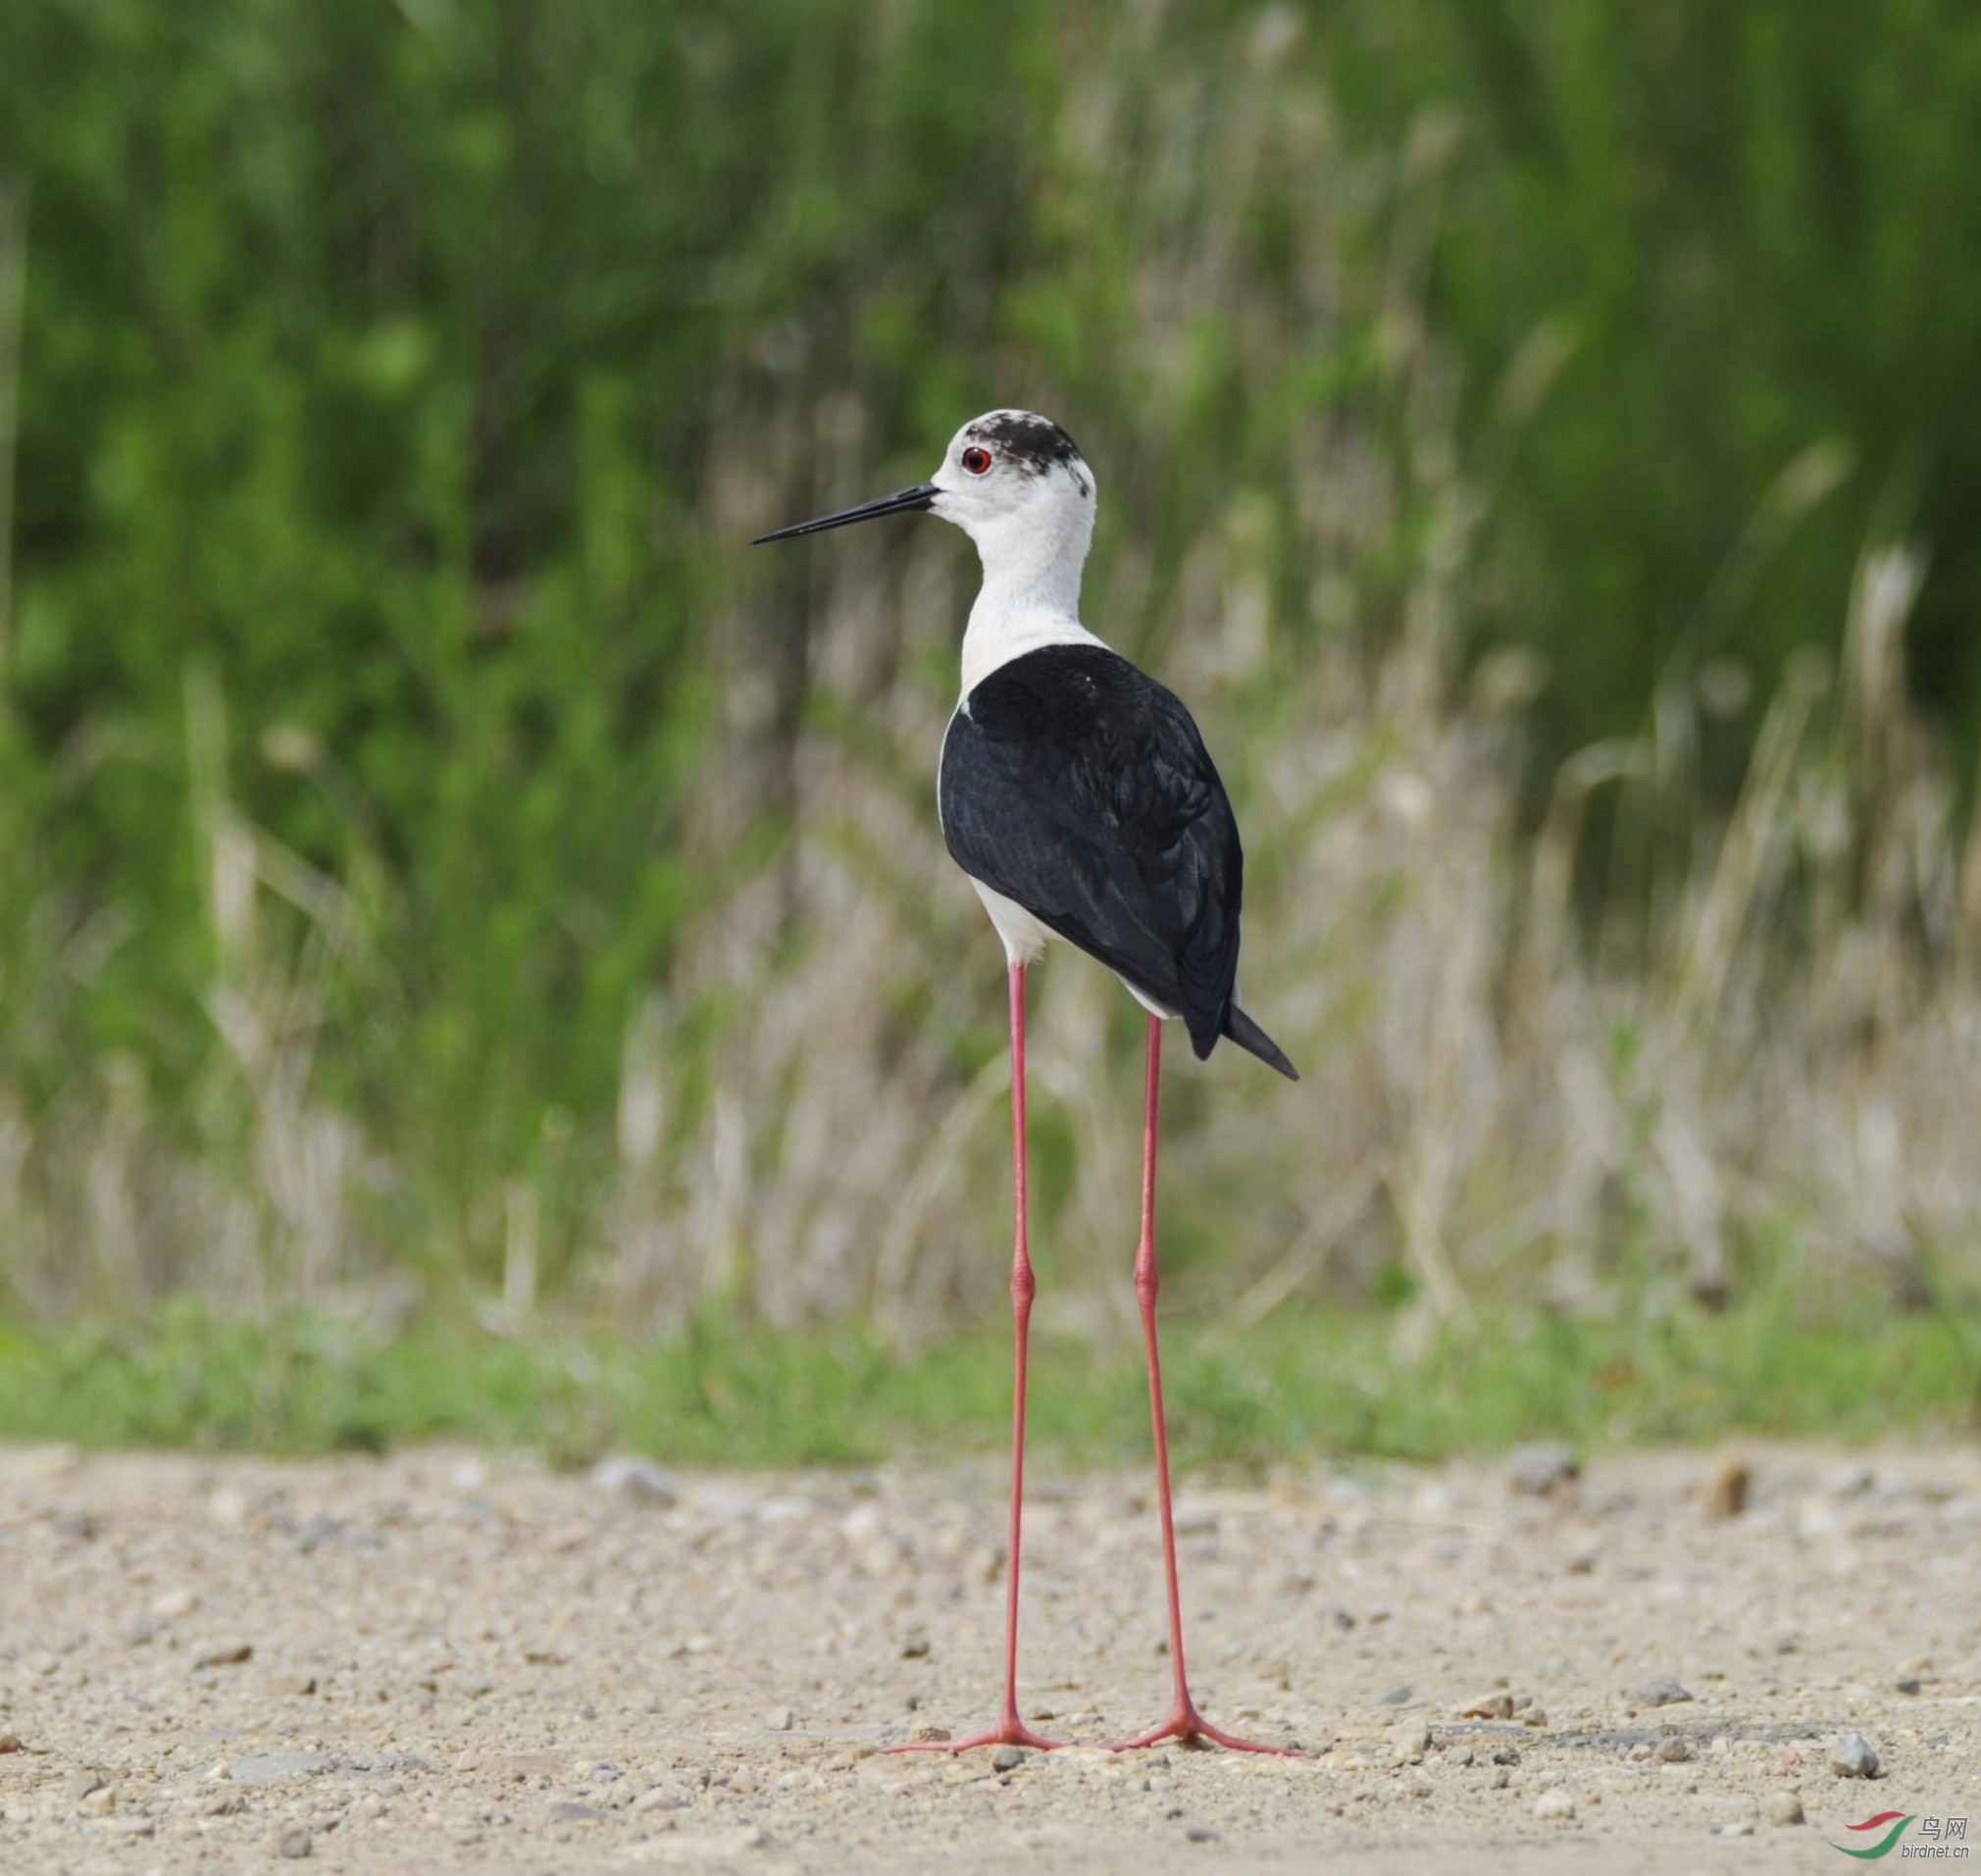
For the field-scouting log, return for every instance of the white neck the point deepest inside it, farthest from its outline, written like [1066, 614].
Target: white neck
[1030, 597]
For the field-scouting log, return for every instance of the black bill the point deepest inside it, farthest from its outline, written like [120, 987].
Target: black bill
[907, 501]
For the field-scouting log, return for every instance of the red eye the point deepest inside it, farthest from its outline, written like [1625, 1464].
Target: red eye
[975, 460]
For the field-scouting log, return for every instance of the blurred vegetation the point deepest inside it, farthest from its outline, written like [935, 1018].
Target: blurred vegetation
[435, 858]
[1308, 1383]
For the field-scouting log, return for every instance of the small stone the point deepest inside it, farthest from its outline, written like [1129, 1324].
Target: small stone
[315, 1531]
[652, 1800]
[1850, 1481]
[172, 1606]
[11, 1743]
[81, 1784]
[1007, 1758]
[102, 1801]
[1907, 1684]
[1402, 1695]
[1537, 1470]
[228, 1507]
[1411, 1739]
[1534, 1716]
[1852, 1756]
[1554, 1807]
[223, 1654]
[1745, 1828]
[569, 1811]
[294, 1842]
[915, 1648]
[1674, 1752]
[634, 1479]
[274, 1768]
[1726, 1497]
[923, 1735]
[1784, 1807]
[1200, 1834]
[779, 1719]
[1488, 1706]
[1658, 1690]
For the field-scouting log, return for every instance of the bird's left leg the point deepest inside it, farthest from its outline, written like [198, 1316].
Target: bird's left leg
[1185, 1722]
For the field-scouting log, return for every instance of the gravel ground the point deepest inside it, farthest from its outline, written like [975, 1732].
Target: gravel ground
[449, 1661]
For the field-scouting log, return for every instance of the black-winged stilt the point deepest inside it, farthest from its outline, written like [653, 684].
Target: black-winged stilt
[1077, 794]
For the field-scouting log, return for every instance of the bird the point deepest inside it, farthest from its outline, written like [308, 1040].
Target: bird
[1077, 794]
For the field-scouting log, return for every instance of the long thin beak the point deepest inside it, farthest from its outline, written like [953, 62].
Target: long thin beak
[905, 501]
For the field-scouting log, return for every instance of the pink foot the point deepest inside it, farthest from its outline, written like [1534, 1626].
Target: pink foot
[1186, 1724]
[1010, 1729]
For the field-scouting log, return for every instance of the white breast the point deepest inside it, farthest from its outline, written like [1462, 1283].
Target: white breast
[996, 636]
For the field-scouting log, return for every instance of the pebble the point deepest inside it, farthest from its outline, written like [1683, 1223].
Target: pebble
[1554, 1805]
[1402, 1695]
[634, 1479]
[1907, 1684]
[1541, 1469]
[1674, 1752]
[1784, 1807]
[1488, 1706]
[652, 1800]
[1007, 1758]
[273, 1768]
[1658, 1690]
[172, 1606]
[11, 1743]
[779, 1719]
[1852, 1756]
[295, 1842]
[223, 1654]
[1411, 1739]
[1726, 1497]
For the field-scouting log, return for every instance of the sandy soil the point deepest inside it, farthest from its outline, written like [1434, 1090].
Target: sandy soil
[445, 1660]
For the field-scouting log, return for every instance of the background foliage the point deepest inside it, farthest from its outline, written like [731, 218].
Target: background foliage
[422, 822]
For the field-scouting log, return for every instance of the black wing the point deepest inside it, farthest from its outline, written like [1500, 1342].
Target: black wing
[1079, 787]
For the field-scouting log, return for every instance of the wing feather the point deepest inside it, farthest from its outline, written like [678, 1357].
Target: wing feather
[1079, 787]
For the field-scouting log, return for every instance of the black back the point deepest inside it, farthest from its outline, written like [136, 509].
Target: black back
[1077, 786]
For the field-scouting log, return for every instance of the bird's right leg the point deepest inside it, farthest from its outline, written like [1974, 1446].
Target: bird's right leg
[1010, 1729]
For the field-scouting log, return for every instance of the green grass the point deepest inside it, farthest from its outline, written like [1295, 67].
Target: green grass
[1301, 1386]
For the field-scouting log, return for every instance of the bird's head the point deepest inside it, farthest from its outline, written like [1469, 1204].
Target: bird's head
[1013, 481]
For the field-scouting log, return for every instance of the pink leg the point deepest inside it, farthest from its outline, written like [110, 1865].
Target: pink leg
[1009, 1730]
[1184, 1722]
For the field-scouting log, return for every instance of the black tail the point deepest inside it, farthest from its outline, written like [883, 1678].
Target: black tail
[1248, 1035]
